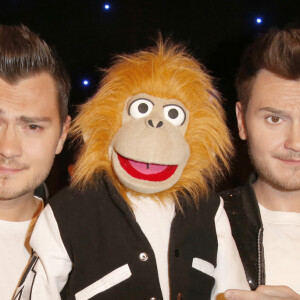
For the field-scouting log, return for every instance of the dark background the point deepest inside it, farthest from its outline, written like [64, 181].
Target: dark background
[86, 37]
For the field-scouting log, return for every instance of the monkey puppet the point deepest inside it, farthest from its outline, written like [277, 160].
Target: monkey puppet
[139, 221]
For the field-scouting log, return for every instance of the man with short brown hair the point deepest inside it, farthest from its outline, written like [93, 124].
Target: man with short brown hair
[265, 213]
[34, 92]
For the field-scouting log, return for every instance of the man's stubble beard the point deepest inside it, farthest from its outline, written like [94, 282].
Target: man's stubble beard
[9, 192]
[277, 181]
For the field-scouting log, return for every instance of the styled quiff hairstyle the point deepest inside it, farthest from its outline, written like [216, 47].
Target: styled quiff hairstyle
[24, 54]
[277, 51]
[168, 72]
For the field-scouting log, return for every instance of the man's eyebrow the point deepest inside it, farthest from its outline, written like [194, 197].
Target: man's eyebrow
[26, 119]
[273, 110]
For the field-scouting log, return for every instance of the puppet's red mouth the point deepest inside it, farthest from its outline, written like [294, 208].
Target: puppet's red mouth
[144, 171]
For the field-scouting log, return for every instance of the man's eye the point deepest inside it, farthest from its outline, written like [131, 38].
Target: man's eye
[33, 127]
[274, 119]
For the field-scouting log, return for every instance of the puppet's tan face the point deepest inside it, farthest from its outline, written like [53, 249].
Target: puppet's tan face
[149, 151]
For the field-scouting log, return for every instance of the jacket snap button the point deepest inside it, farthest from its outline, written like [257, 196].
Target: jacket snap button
[143, 256]
[152, 298]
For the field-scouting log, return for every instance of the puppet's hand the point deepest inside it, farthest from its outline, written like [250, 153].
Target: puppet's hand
[264, 292]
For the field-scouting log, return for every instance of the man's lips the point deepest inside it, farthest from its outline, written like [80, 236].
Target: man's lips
[9, 170]
[290, 162]
[146, 171]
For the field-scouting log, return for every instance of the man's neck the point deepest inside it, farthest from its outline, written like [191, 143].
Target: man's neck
[275, 199]
[19, 209]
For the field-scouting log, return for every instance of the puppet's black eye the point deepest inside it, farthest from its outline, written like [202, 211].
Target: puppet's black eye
[174, 114]
[140, 108]
[143, 108]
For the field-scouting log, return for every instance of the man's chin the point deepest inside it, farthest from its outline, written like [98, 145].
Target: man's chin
[11, 194]
[277, 174]
[282, 183]
[9, 191]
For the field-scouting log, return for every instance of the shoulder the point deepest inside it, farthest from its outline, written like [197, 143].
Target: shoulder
[213, 200]
[241, 207]
[228, 195]
[232, 198]
[241, 202]
[207, 205]
[78, 200]
[243, 195]
[67, 197]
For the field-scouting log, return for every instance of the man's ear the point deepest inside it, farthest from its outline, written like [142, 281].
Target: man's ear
[240, 121]
[63, 135]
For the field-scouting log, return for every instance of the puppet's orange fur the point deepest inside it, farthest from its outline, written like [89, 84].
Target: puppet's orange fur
[165, 71]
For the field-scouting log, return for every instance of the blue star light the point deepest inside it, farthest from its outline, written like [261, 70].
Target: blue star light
[106, 6]
[85, 82]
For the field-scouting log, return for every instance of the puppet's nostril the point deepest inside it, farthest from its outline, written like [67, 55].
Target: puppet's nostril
[155, 125]
[160, 123]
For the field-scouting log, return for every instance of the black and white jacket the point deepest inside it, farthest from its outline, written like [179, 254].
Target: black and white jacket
[90, 246]
[247, 228]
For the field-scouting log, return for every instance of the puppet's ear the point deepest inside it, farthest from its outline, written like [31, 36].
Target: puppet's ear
[240, 121]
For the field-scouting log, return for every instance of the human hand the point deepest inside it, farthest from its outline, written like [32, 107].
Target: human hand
[263, 292]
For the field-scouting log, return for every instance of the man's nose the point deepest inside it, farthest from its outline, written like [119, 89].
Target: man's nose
[10, 144]
[293, 139]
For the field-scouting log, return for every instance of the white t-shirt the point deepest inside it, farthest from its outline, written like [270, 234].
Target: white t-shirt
[14, 254]
[281, 242]
[155, 220]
